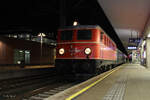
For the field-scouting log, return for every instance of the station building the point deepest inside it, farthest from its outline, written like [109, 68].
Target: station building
[18, 52]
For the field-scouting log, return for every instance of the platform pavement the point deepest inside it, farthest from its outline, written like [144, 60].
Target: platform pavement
[130, 82]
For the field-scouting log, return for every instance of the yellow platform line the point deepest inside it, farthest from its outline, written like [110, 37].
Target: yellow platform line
[91, 85]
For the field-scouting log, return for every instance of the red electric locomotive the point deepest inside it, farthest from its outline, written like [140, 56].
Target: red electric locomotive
[84, 49]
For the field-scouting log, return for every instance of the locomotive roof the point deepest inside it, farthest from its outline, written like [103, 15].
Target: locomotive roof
[81, 27]
[84, 27]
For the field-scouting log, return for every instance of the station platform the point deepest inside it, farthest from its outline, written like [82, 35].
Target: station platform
[130, 82]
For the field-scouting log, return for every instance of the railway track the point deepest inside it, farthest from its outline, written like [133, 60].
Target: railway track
[46, 92]
[35, 87]
[11, 88]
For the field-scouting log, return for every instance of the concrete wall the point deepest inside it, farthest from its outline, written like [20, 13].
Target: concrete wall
[148, 52]
[6, 53]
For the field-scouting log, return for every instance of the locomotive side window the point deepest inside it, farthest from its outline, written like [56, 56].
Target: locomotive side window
[84, 35]
[66, 35]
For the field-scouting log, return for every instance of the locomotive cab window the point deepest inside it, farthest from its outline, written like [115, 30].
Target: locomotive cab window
[84, 35]
[66, 35]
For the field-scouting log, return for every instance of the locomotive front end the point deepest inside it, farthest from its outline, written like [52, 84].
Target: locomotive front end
[76, 51]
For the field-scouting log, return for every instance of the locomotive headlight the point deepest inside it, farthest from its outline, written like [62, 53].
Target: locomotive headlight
[61, 51]
[87, 51]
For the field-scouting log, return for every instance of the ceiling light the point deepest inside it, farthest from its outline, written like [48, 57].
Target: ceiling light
[148, 35]
[143, 43]
[75, 23]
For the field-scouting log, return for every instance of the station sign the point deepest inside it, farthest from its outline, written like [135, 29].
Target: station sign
[134, 40]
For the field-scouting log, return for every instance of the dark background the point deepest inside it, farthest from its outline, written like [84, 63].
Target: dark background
[34, 16]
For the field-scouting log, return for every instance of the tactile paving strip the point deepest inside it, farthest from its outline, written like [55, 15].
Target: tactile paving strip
[117, 90]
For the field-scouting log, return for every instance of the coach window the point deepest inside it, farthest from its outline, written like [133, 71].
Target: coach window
[109, 43]
[113, 47]
[104, 39]
[84, 35]
[66, 35]
[102, 36]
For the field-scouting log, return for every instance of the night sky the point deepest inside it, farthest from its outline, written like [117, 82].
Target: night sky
[35, 16]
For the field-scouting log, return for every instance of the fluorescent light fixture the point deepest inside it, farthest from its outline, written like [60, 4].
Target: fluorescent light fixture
[148, 35]
[143, 43]
[144, 54]
[132, 48]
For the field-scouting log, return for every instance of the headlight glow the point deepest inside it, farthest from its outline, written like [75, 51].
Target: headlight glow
[87, 51]
[61, 51]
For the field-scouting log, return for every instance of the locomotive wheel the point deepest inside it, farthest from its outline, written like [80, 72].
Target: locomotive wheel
[98, 71]
[108, 67]
[58, 70]
[87, 68]
[103, 68]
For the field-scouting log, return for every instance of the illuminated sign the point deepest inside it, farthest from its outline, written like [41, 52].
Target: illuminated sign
[134, 40]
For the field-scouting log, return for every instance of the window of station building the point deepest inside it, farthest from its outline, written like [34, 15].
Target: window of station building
[21, 56]
[84, 35]
[66, 35]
